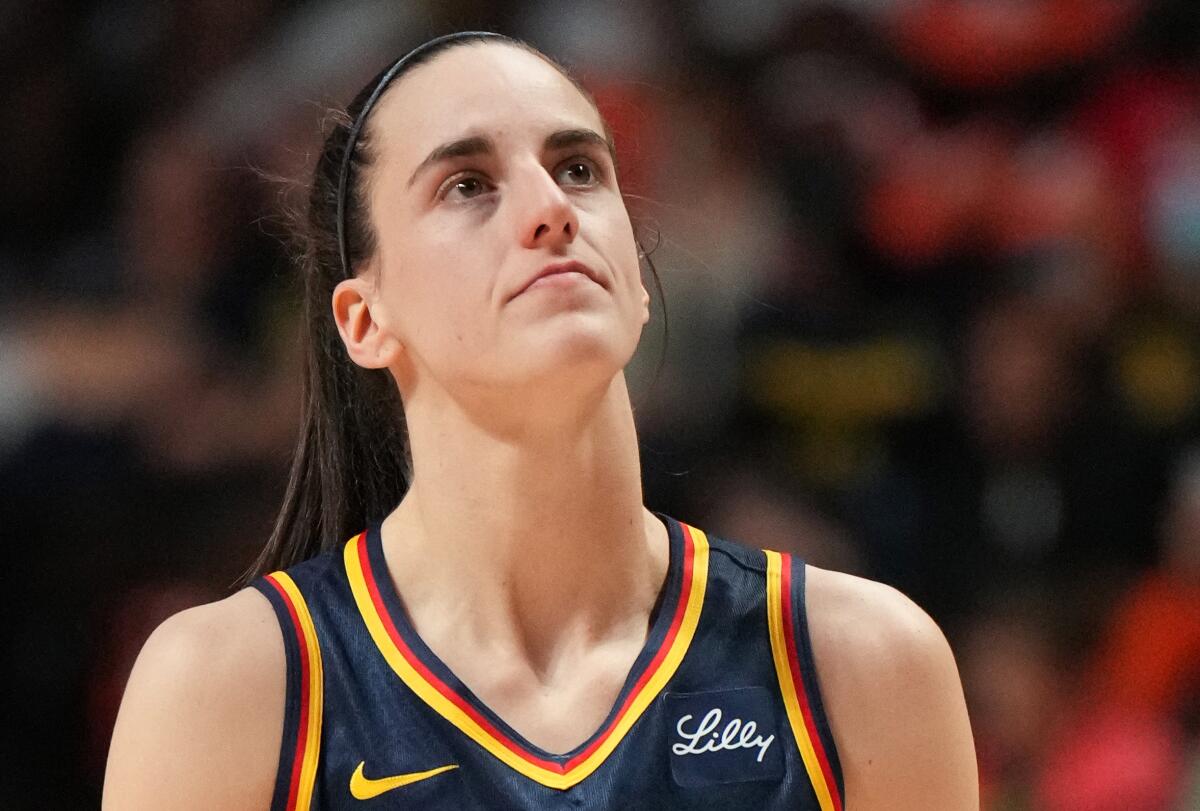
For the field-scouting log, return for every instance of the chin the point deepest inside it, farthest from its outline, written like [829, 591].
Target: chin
[581, 353]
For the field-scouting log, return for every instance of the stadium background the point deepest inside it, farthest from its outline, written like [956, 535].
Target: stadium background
[932, 270]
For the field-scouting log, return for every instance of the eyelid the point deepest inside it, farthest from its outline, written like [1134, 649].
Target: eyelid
[598, 167]
[447, 185]
[599, 171]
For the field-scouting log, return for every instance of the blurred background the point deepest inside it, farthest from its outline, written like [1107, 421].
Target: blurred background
[932, 279]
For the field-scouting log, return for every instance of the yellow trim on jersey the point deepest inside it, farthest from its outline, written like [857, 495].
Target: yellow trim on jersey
[472, 729]
[787, 686]
[316, 682]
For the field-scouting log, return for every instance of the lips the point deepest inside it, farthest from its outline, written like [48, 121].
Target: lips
[556, 268]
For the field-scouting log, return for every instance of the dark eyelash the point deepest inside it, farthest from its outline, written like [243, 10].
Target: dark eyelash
[594, 166]
[467, 174]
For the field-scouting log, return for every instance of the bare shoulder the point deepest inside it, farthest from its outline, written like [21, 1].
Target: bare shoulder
[202, 715]
[861, 621]
[892, 691]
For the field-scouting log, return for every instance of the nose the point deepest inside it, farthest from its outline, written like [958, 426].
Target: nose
[546, 217]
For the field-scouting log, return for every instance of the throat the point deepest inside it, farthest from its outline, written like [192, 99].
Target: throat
[547, 645]
[556, 715]
[534, 597]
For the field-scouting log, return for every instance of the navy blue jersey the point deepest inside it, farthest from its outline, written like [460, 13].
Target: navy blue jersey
[720, 710]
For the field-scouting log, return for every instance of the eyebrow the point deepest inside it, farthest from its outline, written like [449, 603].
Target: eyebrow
[577, 137]
[482, 145]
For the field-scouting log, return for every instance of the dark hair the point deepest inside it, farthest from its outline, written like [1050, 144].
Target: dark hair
[352, 462]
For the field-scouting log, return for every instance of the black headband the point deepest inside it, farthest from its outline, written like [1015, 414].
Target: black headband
[361, 120]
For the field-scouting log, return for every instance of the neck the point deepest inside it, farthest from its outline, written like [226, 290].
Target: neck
[544, 531]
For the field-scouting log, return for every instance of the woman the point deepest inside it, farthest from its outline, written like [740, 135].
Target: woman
[480, 266]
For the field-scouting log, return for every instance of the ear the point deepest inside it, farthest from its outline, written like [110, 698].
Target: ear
[368, 341]
[645, 306]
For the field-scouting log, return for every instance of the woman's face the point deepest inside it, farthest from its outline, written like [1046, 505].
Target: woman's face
[491, 170]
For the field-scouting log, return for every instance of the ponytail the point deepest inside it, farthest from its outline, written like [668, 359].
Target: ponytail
[352, 463]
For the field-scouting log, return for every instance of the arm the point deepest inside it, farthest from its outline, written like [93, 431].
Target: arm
[202, 717]
[894, 698]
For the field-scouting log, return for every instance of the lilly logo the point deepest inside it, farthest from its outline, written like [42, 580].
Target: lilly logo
[736, 734]
[723, 736]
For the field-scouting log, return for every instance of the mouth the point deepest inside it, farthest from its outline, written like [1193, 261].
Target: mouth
[560, 274]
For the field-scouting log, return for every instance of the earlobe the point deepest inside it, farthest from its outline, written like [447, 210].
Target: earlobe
[367, 340]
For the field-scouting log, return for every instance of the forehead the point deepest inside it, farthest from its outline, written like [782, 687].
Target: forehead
[490, 89]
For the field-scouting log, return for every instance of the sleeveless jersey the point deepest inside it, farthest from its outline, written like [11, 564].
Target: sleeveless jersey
[720, 710]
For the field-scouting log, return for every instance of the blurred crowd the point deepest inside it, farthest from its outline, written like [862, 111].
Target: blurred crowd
[931, 315]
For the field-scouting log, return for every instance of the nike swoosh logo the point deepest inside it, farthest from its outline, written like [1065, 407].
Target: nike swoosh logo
[364, 788]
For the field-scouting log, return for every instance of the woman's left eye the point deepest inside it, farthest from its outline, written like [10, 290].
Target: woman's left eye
[577, 173]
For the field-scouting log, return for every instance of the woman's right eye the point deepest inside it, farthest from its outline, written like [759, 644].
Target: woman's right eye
[464, 187]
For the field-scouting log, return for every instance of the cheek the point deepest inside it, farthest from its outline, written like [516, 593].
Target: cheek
[440, 291]
[641, 283]
[620, 249]
[621, 252]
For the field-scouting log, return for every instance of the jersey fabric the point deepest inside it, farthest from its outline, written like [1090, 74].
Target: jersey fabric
[720, 710]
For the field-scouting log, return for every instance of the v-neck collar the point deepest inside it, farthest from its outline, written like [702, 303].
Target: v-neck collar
[671, 630]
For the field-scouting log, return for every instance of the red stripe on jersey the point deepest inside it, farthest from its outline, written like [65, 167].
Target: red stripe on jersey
[801, 689]
[648, 673]
[428, 675]
[302, 725]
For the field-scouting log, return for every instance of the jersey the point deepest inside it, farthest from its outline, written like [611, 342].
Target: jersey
[720, 710]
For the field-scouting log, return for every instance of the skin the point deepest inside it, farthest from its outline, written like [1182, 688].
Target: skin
[527, 491]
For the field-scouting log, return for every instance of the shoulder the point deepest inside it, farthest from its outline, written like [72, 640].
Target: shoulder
[862, 618]
[202, 714]
[892, 692]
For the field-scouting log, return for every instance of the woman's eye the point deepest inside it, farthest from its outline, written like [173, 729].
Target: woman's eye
[577, 173]
[465, 188]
